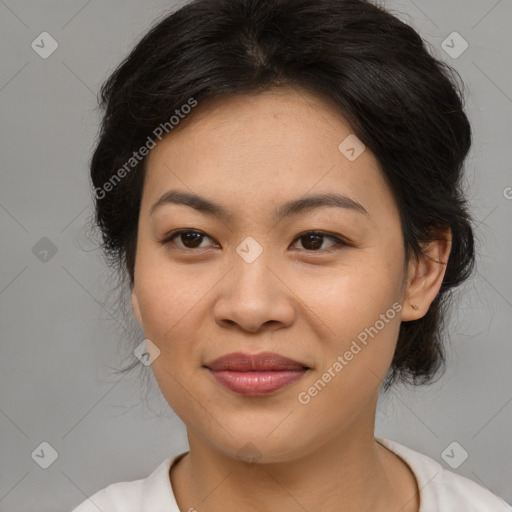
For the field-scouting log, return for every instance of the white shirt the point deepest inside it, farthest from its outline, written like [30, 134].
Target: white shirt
[440, 489]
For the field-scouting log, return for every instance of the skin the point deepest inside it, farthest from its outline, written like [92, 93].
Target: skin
[252, 153]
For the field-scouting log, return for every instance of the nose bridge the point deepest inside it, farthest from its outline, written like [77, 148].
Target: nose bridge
[253, 295]
[252, 265]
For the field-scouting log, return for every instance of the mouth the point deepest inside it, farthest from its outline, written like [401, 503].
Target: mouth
[255, 374]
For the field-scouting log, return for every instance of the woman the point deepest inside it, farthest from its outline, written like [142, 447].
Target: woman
[280, 182]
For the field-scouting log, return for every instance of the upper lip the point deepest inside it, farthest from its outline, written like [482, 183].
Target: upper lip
[265, 361]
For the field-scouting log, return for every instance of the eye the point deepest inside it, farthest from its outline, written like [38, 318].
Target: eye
[189, 239]
[312, 241]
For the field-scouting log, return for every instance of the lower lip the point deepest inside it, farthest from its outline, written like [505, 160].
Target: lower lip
[256, 383]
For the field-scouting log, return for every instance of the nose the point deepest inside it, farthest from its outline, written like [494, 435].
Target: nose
[253, 297]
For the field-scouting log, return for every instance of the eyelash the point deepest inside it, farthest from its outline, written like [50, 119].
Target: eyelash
[340, 243]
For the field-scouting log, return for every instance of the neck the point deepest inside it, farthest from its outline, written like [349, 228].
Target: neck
[350, 472]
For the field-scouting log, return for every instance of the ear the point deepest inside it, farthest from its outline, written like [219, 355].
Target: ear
[135, 306]
[425, 275]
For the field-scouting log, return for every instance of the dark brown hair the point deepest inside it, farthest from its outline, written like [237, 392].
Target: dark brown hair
[405, 105]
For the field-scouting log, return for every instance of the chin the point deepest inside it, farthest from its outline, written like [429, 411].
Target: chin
[257, 443]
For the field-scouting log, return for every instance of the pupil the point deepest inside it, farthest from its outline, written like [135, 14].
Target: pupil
[314, 241]
[193, 238]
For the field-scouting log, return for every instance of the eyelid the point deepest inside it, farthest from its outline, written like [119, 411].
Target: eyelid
[167, 239]
[340, 241]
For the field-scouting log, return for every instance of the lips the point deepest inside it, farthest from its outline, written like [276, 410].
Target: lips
[266, 361]
[255, 374]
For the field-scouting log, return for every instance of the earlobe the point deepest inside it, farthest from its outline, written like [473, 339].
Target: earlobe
[135, 307]
[425, 276]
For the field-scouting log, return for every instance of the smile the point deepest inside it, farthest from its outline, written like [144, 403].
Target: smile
[255, 375]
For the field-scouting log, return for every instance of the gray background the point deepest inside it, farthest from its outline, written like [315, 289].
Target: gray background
[61, 337]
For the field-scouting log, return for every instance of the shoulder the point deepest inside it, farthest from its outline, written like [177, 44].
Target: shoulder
[444, 490]
[154, 492]
[116, 497]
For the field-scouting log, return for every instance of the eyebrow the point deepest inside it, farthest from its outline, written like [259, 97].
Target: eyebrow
[290, 208]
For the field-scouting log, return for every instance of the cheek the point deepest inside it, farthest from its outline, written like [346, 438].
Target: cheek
[167, 293]
[169, 298]
[355, 360]
[361, 306]
[168, 302]
[350, 298]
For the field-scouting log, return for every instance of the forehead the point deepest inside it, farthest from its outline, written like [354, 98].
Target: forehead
[264, 148]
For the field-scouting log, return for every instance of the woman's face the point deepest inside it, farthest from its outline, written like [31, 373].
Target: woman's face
[251, 280]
